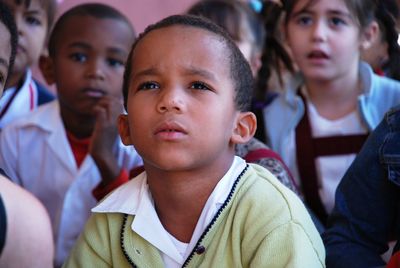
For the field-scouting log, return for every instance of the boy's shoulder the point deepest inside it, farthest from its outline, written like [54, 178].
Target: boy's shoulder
[45, 117]
[266, 193]
[44, 95]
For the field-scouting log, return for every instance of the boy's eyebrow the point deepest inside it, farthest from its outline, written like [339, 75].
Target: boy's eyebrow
[149, 71]
[188, 71]
[115, 50]
[201, 72]
[80, 45]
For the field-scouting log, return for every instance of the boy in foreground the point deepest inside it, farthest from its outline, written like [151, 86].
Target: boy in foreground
[187, 88]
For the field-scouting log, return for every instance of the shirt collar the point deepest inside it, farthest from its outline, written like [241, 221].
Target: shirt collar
[134, 198]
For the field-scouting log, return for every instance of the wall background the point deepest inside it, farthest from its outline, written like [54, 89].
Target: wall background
[140, 12]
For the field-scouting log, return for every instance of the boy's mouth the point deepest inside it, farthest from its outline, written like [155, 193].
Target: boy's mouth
[170, 130]
[94, 92]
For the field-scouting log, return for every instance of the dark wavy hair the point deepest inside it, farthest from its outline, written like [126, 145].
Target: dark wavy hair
[49, 5]
[387, 13]
[7, 18]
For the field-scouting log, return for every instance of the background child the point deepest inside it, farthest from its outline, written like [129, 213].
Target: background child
[247, 30]
[384, 53]
[366, 214]
[319, 125]
[196, 204]
[73, 143]
[23, 94]
[21, 240]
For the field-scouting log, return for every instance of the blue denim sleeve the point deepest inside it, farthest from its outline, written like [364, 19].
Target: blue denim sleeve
[366, 202]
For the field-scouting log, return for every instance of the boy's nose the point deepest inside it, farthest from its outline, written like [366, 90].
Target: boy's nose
[95, 70]
[171, 100]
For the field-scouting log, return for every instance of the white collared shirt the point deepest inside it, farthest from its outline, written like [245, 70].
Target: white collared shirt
[134, 198]
[330, 169]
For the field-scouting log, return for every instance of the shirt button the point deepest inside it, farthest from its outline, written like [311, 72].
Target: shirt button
[200, 249]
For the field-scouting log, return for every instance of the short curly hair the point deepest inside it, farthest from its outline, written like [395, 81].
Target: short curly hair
[240, 71]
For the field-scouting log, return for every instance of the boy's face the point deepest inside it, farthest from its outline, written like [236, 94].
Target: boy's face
[89, 62]
[5, 53]
[32, 29]
[181, 109]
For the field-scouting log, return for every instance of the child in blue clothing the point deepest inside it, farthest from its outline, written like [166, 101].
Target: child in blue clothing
[366, 216]
[320, 122]
[23, 94]
[70, 147]
[187, 90]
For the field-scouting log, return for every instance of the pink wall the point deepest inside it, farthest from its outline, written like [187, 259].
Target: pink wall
[140, 12]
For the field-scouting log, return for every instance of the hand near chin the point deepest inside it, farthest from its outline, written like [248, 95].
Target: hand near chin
[104, 137]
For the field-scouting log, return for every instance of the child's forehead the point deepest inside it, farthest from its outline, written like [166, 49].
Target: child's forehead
[183, 48]
[181, 34]
[82, 24]
[98, 32]
[27, 4]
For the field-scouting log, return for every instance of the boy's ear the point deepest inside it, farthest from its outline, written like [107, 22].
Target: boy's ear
[369, 35]
[46, 66]
[245, 129]
[123, 129]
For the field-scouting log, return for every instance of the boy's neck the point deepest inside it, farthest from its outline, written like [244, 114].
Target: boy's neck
[78, 126]
[180, 197]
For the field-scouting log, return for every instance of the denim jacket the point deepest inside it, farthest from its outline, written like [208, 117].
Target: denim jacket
[367, 207]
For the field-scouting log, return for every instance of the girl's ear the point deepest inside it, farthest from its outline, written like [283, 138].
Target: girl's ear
[46, 66]
[245, 129]
[369, 35]
[123, 129]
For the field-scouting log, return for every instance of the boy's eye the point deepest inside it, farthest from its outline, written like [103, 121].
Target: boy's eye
[115, 62]
[148, 85]
[78, 57]
[33, 20]
[199, 86]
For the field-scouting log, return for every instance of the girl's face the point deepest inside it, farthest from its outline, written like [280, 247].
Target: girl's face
[325, 39]
[32, 29]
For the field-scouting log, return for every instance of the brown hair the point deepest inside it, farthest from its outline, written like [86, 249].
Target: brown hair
[49, 5]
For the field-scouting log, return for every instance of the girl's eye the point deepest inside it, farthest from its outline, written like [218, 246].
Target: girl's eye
[33, 21]
[337, 21]
[199, 86]
[148, 85]
[304, 20]
[115, 63]
[78, 57]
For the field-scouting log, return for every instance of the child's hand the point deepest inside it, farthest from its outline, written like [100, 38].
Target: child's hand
[104, 136]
